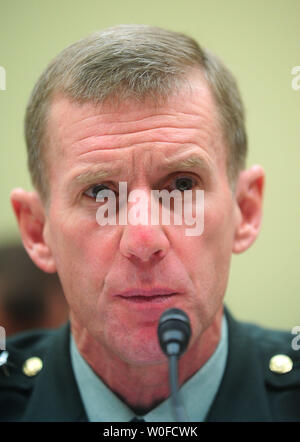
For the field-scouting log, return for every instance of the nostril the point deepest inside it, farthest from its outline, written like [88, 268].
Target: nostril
[147, 257]
[159, 253]
[143, 243]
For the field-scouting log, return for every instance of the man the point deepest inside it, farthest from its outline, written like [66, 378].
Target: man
[149, 108]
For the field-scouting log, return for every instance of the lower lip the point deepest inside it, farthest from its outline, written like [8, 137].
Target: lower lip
[148, 299]
[148, 302]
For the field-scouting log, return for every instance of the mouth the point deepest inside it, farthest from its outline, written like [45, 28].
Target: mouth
[147, 297]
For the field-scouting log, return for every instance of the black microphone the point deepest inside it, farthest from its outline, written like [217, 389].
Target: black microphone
[174, 333]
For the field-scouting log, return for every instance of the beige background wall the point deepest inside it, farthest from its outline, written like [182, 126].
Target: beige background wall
[260, 41]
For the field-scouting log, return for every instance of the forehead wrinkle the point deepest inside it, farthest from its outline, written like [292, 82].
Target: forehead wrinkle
[117, 126]
[158, 135]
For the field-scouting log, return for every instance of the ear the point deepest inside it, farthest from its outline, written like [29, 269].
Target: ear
[249, 199]
[30, 214]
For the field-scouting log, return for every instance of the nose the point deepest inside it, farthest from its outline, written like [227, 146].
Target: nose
[144, 243]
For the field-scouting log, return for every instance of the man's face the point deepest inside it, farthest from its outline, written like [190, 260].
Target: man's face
[105, 270]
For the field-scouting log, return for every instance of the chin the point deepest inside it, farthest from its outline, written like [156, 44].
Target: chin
[142, 357]
[139, 350]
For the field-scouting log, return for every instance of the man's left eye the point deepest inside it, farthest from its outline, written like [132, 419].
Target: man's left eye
[184, 183]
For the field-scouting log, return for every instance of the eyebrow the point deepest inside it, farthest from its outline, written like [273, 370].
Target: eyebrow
[97, 172]
[187, 163]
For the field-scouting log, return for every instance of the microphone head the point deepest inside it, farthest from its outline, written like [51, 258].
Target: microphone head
[174, 331]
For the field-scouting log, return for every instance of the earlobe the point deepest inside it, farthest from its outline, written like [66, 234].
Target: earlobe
[249, 200]
[30, 215]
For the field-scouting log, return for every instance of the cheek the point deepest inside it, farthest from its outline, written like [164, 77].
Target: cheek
[81, 259]
[210, 253]
[219, 224]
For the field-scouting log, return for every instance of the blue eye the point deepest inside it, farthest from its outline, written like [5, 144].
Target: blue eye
[93, 191]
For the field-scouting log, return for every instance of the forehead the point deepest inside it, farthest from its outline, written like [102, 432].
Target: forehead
[188, 118]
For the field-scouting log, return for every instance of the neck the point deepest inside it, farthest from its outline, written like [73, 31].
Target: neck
[142, 387]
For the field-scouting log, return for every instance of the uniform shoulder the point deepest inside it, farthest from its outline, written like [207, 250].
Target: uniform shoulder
[269, 340]
[26, 344]
[276, 352]
[20, 363]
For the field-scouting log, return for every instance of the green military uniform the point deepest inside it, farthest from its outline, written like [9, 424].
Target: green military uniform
[261, 380]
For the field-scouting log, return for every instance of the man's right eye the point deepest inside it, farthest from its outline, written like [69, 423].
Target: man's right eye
[93, 191]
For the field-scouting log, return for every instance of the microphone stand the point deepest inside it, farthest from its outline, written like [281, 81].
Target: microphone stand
[179, 411]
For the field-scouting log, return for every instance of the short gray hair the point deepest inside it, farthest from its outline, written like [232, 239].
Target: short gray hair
[131, 61]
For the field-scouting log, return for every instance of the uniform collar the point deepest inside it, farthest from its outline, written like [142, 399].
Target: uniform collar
[198, 393]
